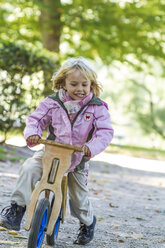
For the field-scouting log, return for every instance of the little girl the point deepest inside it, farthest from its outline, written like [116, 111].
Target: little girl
[73, 115]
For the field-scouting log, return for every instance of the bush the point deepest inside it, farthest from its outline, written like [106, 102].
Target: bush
[25, 78]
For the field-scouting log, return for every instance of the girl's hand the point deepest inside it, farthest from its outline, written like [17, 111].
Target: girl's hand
[33, 139]
[86, 151]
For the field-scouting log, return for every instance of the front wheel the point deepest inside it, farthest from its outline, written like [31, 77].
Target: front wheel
[39, 224]
[51, 239]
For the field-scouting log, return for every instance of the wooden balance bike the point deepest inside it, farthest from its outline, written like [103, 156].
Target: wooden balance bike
[44, 215]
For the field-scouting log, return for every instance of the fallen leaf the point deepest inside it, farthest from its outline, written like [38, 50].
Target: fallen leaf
[7, 242]
[157, 211]
[100, 218]
[128, 236]
[137, 237]
[97, 192]
[139, 218]
[105, 242]
[115, 226]
[2, 228]
[121, 241]
[20, 237]
[112, 206]
[12, 233]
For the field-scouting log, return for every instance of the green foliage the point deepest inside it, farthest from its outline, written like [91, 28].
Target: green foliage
[147, 106]
[10, 154]
[137, 151]
[25, 78]
[110, 30]
[136, 101]
[19, 21]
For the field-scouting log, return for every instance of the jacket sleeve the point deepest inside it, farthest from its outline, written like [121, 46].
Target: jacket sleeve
[103, 132]
[38, 120]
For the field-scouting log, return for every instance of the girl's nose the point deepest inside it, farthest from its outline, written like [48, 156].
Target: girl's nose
[79, 87]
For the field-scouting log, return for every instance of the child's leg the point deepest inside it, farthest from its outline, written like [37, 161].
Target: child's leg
[80, 205]
[30, 172]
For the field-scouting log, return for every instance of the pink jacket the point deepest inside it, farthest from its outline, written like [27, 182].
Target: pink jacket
[91, 126]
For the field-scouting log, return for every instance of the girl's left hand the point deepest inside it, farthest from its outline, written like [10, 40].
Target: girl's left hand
[86, 151]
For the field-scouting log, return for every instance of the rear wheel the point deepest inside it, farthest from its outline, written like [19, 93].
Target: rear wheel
[39, 224]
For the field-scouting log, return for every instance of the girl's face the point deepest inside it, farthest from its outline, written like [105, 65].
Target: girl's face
[77, 85]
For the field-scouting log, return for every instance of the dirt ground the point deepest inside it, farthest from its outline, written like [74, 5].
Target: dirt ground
[129, 205]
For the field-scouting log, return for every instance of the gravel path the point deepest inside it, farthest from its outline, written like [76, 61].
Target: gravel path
[129, 205]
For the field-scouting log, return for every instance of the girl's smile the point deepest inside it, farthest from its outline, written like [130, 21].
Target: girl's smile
[77, 85]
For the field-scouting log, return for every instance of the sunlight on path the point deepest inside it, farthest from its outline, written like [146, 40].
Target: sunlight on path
[20, 142]
[8, 175]
[132, 162]
[16, 141]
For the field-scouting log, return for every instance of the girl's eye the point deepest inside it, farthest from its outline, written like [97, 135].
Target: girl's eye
[73, 85]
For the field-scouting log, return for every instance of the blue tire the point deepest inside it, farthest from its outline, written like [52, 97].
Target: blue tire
[51, 239]
[39, 224]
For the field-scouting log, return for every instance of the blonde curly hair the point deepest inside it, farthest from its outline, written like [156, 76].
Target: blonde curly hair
[69, 66]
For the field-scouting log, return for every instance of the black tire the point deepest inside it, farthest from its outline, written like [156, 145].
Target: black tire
[39, 224]
[51, 239]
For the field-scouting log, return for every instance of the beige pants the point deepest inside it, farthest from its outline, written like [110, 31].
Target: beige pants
[31, 172]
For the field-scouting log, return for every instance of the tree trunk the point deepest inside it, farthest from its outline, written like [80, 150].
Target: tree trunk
[51, 24]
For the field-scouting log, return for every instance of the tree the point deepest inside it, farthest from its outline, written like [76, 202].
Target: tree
[110, 30]
[148, 104]
[130, 32]
[51, 25]
[138, 96]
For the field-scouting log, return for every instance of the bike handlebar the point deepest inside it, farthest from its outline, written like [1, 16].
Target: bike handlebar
[55, 143]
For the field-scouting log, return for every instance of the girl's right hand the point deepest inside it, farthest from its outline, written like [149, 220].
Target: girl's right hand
[33, 139]
[86, 151]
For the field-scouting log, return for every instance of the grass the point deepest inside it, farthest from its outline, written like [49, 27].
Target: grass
[10, 155]
[136, 151]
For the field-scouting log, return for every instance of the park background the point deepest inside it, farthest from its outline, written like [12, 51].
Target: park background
[125, 43]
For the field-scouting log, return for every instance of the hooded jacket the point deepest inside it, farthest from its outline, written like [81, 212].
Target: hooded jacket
[91, 126]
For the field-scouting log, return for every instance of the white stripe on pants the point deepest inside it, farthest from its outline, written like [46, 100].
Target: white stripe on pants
[31, 172]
